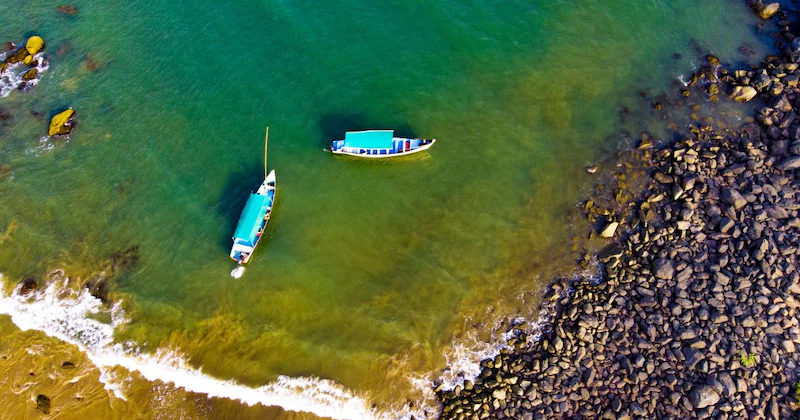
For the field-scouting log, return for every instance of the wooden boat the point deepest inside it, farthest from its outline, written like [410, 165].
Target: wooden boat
[255, 216]
[377, 144]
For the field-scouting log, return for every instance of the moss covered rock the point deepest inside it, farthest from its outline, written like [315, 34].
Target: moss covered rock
[30, 74]
[34, 45]
[61, 123]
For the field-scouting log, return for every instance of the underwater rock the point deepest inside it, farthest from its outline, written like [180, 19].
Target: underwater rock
[43, 403]
[743, 94]
[34, 45]
[101, 284]
[61, 123]
[67, 9]
[91, 64]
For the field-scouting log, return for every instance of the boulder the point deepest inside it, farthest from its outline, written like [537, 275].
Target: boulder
[609, 231]
[663, 269]
[703, 396]
[733, 197]
[794, 50]
[30, 74]
[61, 123]
[743, 93]
[34, 45]
[789, 164]
[766, 11]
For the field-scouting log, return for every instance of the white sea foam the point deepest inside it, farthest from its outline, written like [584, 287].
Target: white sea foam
[11, 78]
[69, 315]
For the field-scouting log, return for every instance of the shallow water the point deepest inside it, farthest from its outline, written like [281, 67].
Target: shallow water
[371, 270]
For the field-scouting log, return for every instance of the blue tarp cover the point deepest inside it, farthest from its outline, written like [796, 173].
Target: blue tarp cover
[252, 218]
[373, 139]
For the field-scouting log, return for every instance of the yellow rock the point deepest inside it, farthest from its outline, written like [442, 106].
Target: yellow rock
[34, 44]
[28, 60]
[61, 124]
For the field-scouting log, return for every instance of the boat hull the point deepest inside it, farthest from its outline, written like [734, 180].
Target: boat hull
[242, 245]
[393, 155]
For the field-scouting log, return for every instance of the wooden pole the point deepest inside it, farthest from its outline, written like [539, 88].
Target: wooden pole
[266, 138]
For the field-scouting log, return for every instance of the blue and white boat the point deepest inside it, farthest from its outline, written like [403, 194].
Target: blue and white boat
[376, 144]
[255, 216]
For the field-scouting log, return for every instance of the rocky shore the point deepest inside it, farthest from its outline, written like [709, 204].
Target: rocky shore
[696, 312]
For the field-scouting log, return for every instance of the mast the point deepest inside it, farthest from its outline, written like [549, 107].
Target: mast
[266, 138]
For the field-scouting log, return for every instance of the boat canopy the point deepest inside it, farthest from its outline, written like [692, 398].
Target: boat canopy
[372, 139]
[252, 218]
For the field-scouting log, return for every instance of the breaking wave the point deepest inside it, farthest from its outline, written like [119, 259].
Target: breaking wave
[11, 79]
[68, 315]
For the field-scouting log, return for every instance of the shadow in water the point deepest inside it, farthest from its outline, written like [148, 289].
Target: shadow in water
[333, 126]
[234, 195]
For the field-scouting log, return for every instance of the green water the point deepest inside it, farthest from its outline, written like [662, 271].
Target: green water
[369, 268]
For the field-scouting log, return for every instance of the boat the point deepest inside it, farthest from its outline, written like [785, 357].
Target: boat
[377, 144]
[255, 216]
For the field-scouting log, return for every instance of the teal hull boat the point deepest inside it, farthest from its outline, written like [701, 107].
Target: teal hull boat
[378, 144]
[254, 220]
[255, 217]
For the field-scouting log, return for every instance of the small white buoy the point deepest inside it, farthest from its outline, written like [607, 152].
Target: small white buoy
[237, 272]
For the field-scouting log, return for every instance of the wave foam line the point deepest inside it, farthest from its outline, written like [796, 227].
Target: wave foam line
[66, 314]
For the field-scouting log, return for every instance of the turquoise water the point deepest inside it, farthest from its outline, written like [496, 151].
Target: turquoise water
[369, 269]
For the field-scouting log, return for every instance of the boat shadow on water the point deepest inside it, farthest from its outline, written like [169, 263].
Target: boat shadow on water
[234, 195]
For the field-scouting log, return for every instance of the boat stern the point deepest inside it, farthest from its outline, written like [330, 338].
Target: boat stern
[241, 252]
[337, 145]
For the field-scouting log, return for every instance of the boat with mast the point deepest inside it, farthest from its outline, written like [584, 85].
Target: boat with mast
[255, 217]
[377, 144]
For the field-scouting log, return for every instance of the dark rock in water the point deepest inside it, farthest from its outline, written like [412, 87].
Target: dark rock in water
[101, 284]
[789, 164]
[28, 286]
[43, 403]
[663, 269]
[712, 60]
[67, 9]
[91, 64]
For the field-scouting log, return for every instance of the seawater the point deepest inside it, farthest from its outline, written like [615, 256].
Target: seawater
[372, 274]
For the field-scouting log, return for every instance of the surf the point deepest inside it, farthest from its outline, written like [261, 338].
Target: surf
[70, 315]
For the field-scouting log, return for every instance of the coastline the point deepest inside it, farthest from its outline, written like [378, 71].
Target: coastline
[99, 290]
[695, 314]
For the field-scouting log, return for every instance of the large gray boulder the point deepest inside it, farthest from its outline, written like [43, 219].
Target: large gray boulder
[663, 269]
[703, 396]
[789, 164]
[733, 197]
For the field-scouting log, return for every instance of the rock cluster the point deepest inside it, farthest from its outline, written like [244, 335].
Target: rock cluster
[21, 67]
[697, 312]
[25, 55]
